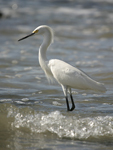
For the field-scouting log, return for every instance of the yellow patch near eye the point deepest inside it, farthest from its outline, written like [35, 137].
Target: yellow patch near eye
[35, 31]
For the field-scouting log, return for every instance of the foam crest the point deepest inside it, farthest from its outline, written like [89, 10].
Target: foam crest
[74, 127]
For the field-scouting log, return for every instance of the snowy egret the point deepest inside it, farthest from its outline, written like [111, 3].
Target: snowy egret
[66, 75]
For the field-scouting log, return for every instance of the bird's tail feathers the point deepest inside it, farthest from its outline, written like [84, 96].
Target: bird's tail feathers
[99, 87]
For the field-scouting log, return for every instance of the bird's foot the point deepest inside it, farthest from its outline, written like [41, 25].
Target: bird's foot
[73, 107]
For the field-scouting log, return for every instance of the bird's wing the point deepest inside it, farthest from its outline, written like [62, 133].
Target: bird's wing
[65, 74]
[70, 76]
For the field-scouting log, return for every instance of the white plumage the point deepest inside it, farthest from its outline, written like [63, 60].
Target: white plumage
[70, 76]
[66, 75]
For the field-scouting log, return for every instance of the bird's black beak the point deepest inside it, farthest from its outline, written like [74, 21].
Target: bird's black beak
[26, 36]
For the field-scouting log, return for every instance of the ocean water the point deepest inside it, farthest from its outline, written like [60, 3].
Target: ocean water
[33, 113]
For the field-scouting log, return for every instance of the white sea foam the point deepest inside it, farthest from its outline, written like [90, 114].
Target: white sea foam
[5, 100]
[64, 126]
[77, 11]
[25, 99]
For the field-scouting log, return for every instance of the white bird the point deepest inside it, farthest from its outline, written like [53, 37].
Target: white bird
[66, 75]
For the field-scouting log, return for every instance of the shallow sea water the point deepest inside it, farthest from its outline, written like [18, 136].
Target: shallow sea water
[33, 112]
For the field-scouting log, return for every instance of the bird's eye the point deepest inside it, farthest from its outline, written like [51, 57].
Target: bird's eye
[35, 31]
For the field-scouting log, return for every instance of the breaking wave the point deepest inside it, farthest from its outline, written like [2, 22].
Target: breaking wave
[66, 125]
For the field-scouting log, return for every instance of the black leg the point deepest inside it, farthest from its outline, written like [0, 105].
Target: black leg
[73, 104]
[68, 109]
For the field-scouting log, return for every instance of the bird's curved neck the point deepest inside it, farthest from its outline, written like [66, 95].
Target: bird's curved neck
[42, 50]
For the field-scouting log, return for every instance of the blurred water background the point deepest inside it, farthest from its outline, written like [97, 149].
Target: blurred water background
[33, 112]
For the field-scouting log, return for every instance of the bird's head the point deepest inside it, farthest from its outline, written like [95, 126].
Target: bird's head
[40, 30]
[35, 31]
